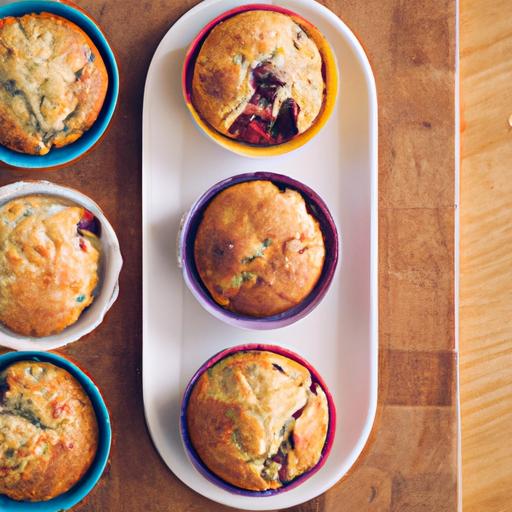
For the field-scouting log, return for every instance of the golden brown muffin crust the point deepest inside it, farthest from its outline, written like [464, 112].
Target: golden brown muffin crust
[48, 270]
[258, 250]
[249, 46]
[256, 420]
[48, 431]
[53, 82]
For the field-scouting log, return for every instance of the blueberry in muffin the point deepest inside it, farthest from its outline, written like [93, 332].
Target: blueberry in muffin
[49, 257]
[257, 420]
[48, 431]
[258, 250]
[258, 77]
[53, 82]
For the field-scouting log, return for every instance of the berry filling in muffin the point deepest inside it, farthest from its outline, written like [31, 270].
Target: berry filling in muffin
[258, 124]
[89, 228]
[89, 224]
[277, 467]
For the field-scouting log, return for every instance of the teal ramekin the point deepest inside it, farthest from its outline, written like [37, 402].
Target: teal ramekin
[58, 157]
[84, 486]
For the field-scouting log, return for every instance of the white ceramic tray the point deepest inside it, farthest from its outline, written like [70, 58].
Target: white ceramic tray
[340, 336]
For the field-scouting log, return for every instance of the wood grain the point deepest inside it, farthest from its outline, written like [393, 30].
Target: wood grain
[486, 255]
[410, 462]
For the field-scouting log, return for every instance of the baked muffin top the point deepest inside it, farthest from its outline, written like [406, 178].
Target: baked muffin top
[258, 78]
[49, 258]
[48, 431]
[52, 82]
[257, 421]
[258, 250]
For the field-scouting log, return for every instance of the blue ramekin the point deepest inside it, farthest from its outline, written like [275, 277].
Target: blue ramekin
[57, 157]
[186, 260]
[90, 479]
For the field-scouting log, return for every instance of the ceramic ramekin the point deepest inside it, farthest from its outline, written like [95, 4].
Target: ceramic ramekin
[196, 460]
[110, 266]
[65, 155]
[186, 261]
[90, 479]
[330, 71]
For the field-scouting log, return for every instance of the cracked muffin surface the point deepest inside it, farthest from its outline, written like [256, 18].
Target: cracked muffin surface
[48, 431]
[258, 250]
[257, 420]
[258, 78]
[53, 82]
[49, 256]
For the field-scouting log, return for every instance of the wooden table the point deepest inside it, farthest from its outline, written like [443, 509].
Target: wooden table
[410, 463]
[486, 255]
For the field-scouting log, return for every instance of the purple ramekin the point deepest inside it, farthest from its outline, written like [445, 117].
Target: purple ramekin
[196, 460]
[186, 238]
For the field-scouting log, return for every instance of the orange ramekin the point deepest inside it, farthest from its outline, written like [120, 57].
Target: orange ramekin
[329, 70]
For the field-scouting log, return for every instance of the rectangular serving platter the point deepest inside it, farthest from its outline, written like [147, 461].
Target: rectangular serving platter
[340, 337]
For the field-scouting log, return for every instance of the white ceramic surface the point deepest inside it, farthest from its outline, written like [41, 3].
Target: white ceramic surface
[340, 337]
[110, 266]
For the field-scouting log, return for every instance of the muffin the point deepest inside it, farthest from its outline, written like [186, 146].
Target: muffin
[258, 77]
[53, 82]
[48, 431]
[258, 250]
[49, 256]
[257, 420]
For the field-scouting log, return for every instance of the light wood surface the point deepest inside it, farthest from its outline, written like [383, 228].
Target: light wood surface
[486, 255]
